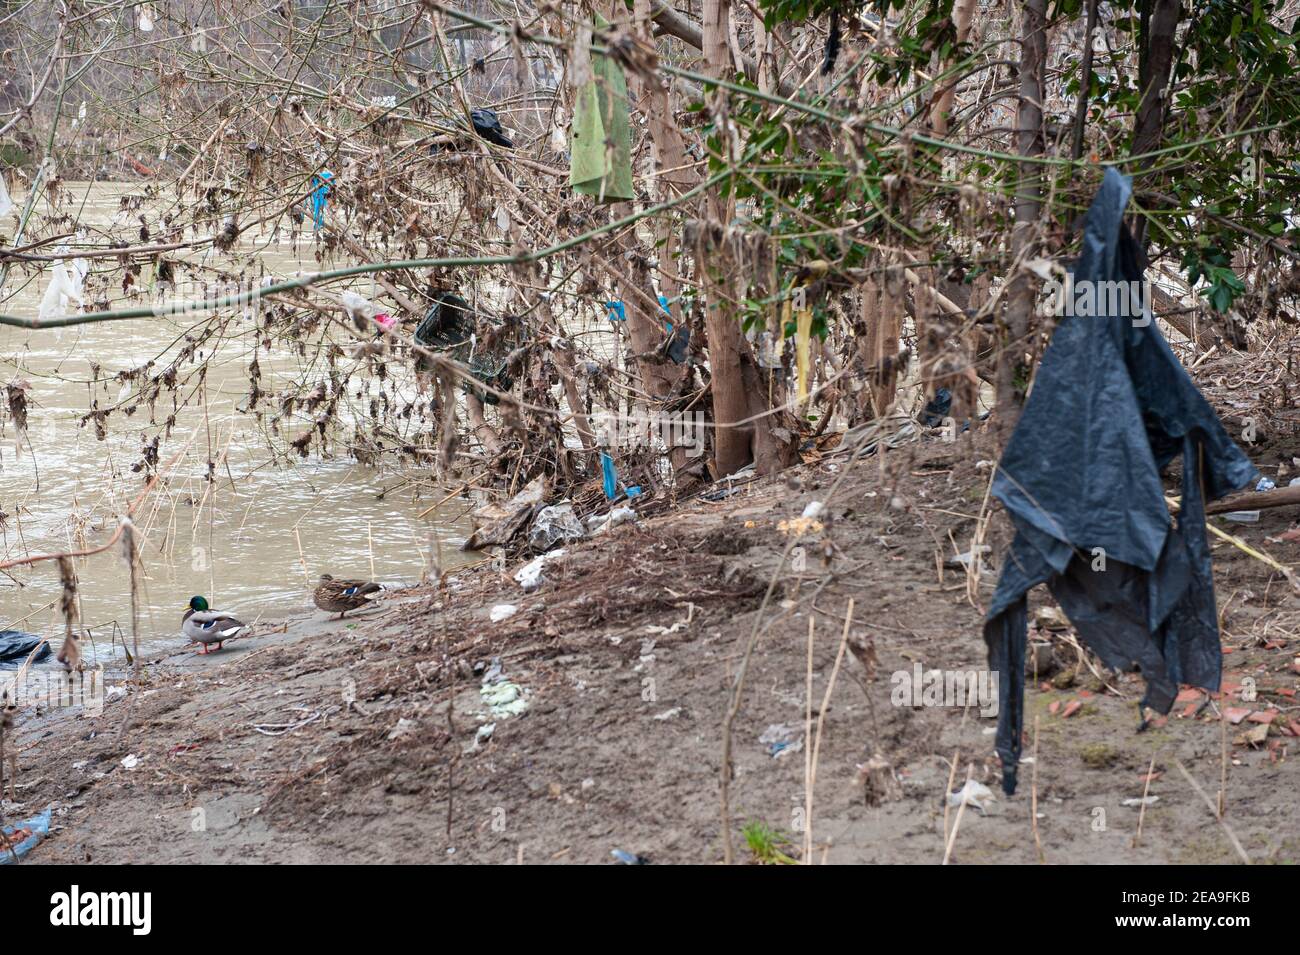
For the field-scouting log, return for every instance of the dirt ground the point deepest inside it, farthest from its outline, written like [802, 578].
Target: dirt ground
[330, 741]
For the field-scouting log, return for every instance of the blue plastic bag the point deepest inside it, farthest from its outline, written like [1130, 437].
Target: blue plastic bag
[320, 192]
[40, 827]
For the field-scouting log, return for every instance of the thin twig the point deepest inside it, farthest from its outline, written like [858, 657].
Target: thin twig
[1209, 804]
[1033, 797]
[821, 723]
[961, 809]
[1142, 808]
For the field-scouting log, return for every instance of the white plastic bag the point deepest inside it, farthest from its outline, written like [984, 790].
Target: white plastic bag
[973, 794]
[66, 282]
[358, 306]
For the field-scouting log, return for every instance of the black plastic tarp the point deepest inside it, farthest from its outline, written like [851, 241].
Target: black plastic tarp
[1110, 408]
[15, 645]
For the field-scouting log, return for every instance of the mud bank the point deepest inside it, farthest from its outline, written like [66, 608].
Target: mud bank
[364, 740]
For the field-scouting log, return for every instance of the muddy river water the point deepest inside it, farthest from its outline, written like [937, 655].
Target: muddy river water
[252, 542]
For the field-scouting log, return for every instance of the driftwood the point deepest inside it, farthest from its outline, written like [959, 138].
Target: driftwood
[1255, 500]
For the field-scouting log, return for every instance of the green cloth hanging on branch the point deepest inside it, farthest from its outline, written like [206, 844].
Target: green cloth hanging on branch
[601, 146]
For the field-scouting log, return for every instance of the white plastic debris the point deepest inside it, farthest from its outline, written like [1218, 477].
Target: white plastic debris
[814, 510]
[146, 20]
[1043, 268]
[1145, 801]
[199, 42]
[530, 575]
[557, 524]
[503, 612]
[66, 281]
[599, 523]
[131, 761]
[6, 204]
[403, 729]
[482, 736]
[358, 306]
[666, 715]
[503, 699]
[969, 557]
[973, 794]
[781, 739]
[1243, 517]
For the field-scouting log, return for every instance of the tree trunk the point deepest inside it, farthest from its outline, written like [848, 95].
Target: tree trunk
[683, 28]
[1155, 59]
[1029, 142]
[881, 326]
[963, 11]
[672, 178]
[733, 443]
[746, 428]
[1085, 81]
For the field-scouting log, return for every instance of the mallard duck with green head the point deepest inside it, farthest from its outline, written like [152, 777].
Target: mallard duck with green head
[206, 627]
[340, 596]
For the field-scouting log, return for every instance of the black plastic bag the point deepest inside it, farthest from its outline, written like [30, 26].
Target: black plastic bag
[1111, 407]
[488, 125]
[679, 343]
[15, 645]
[451, 327]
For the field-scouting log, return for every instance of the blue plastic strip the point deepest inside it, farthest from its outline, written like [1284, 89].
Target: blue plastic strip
[611, 476]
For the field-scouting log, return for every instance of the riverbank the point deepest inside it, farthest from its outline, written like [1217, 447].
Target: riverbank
[238, 515]
[319, 740]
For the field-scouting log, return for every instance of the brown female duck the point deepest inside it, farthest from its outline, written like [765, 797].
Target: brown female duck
[340, 596]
